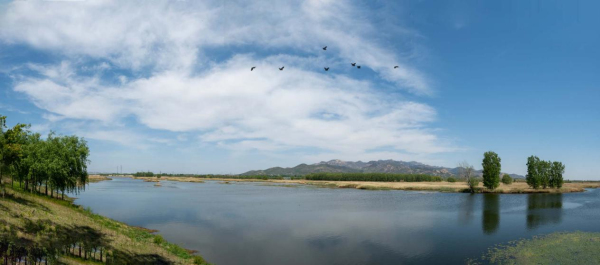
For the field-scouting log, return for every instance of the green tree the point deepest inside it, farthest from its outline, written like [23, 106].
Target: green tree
[57, 162]
[2, 164]
[544, 173]
[491, 170]
[533, 178]
[506, 179]
[15, 140]
[557, 170]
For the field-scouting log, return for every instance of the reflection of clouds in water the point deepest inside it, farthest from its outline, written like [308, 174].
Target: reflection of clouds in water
[249, 223]
[249, 243]
[331, 239]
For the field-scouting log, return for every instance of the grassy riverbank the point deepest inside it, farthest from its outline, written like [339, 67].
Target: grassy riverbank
[556, 248]
[43, 227]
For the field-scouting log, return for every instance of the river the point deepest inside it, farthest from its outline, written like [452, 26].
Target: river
[260, 223]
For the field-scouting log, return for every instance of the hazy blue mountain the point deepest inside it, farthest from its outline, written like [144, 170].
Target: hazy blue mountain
[380, 166]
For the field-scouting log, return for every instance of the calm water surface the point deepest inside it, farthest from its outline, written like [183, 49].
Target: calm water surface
[254, 223]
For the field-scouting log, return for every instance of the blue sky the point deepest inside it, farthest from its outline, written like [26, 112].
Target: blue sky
[166, 86]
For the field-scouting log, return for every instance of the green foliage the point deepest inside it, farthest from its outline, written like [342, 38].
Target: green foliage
[143, 174]
[2, 151]
[261, 177]
[557, 170]
[200, 261]
[491, 170]
[533, 178]
[451, 179]
[506, 179]
[45, 239]
[473, 183]
[158, 239]
[383, 177]
[544, 173]
[59, 163]
[555, 248]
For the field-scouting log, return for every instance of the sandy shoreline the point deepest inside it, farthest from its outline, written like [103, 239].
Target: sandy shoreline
[517, 187]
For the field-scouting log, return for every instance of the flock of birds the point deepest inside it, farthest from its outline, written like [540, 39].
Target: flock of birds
[326, 68]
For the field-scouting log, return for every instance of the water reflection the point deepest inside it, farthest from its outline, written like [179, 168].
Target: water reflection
[467, 208]
[543, 209]
[252, 224]
[490, 219]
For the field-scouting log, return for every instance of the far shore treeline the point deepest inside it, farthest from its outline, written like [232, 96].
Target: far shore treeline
[384, 177]
[55, 164]
[540, 174]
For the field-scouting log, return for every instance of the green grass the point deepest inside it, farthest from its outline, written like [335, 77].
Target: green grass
[40, 219]
[555, 248]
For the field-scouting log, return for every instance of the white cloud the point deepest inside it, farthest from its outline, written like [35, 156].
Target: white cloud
[172, 34]
[179, 87]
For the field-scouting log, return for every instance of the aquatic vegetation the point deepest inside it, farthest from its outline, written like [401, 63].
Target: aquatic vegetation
[555, 248]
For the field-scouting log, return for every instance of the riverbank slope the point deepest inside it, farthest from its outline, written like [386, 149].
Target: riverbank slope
[41, 227]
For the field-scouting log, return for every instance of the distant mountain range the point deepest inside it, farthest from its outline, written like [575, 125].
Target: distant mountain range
[380, 166]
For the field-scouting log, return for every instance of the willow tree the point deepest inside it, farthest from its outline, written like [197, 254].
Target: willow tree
[67, 167]
[15, 140]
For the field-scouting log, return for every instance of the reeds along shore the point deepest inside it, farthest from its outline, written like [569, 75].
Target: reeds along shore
[401, 182]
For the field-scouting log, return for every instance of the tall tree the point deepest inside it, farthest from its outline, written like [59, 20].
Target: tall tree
[557, 170]
[533, 177]
[544, 173]
[2, 151]
[491, 170]
[15, 140]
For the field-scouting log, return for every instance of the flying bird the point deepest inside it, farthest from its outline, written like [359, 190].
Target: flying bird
[353, 64]
[281, 69]
[252, 69]
[358, 66]
[395, 67]
[326, 68]
[325, 48]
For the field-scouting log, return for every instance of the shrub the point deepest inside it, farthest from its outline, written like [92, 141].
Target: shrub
[451, 179]
[473, 183]
[199, 260]
[158, 239]
[506, 179]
